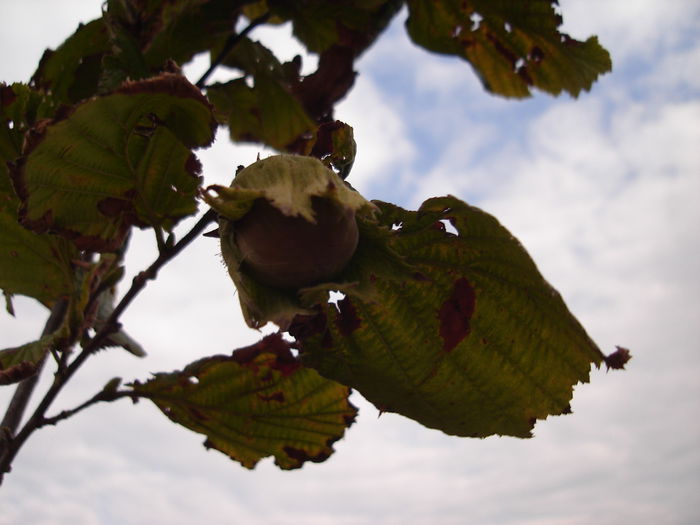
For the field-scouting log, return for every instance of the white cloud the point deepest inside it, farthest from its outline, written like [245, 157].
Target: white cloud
[602, 192]
[632, 30]
[27, 32]
[383, 148]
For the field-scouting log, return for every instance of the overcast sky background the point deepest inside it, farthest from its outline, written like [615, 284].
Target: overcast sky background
[603, 191]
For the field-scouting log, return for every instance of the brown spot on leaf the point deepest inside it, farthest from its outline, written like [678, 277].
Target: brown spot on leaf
[301, 456]
[273, 344]
[113, 207]
[524, 74]
[347, 320]
[455, 314]
[349, 419]
[16, 373]
[275, 396]
[7, 96]
[94, 243]
[438, 225]
[536, 55]
[618, 359]
[305, 327]
[502, 49]
[192, 166]
[169, 83]
[198, 414]
[284, 361]
[324, 138]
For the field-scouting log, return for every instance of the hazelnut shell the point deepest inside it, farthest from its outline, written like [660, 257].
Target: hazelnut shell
[291, 252]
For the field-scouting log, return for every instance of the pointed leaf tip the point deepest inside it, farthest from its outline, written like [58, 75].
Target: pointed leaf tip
[618, 359]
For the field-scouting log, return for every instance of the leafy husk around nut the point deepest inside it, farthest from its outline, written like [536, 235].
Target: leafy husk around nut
[297, 188]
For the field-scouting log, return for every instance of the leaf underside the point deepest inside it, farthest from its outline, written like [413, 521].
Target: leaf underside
[512, 46]
[116, 161]
[256, 403]
[473, 342]
[23, 361]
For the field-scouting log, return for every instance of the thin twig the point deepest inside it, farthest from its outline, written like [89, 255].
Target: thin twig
[160, 240]
[20, 398]
[101, 396]
[229, 45]
[37, 419]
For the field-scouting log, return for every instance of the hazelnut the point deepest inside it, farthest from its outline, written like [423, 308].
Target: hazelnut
[291, 252]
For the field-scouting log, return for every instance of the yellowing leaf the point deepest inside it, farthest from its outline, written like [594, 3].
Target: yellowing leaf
[256, 403]
[512, 45]
[266, 113]
[473, 341]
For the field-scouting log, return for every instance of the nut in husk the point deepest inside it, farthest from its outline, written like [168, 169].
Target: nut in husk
[291, 252]
[286, 222]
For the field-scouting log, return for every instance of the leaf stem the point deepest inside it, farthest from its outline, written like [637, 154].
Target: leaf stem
[231, 42]
[37, 419]
[160, 240]
[101, 396]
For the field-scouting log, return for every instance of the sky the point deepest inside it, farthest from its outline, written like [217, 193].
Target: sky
[602, 192]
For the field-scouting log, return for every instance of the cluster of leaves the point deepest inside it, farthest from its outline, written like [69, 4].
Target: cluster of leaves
[457, 330]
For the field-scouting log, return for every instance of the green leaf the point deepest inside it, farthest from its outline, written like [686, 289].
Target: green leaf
[34, 265]
[115, 161]
[71, 73]
[513, 46]
[474, 342]
[189, 27]
[252, 58]
[319, 24]
[260, 8]
[21, 107]
[256, 403]
[267, 111]
[150, 37]
[335, 144]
